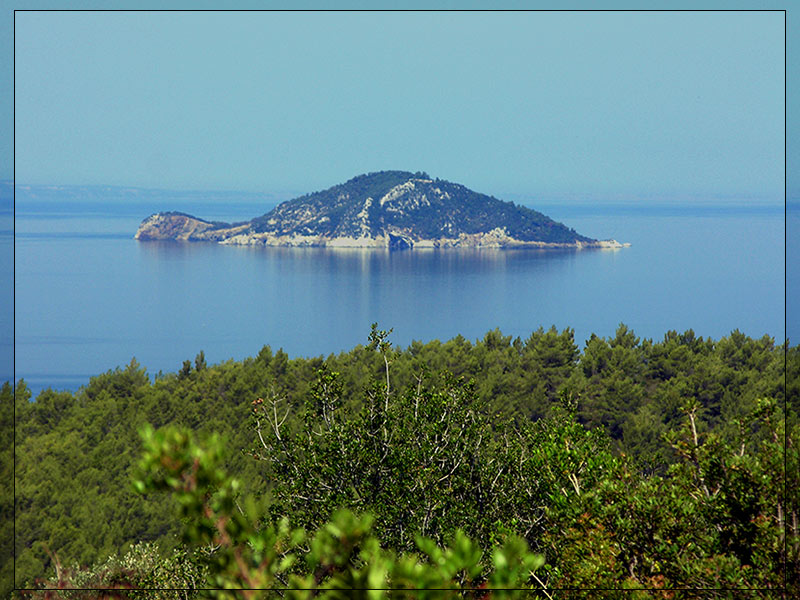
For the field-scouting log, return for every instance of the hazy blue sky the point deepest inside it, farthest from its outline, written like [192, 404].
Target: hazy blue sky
[590, 104]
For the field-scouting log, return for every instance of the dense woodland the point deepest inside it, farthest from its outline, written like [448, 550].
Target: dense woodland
[503, 462]
[430, 210]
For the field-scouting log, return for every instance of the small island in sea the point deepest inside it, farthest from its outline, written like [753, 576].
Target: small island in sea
[389, 209]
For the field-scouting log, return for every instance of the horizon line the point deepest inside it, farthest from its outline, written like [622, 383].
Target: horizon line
[573, 197]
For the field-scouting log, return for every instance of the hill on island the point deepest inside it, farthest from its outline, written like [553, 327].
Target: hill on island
[390, 209]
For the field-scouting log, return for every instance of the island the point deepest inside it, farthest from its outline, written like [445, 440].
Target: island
[389, 209]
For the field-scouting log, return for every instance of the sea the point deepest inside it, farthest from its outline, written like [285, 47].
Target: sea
[87, 297]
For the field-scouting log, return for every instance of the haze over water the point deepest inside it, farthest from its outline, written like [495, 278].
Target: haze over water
[89, 297]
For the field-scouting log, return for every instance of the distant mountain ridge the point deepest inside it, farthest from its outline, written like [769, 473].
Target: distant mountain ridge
[390, 209]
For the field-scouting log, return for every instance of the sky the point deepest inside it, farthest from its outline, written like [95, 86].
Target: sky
[644, 105]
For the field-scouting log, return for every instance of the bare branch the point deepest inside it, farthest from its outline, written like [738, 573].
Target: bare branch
[541, 583]
[491, 487]
[574, 481]
[260, 437]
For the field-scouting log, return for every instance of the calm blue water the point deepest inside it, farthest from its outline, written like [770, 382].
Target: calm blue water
[88, 297]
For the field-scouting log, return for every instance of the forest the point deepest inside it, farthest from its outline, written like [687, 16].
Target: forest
[401, 202]
[465, 468]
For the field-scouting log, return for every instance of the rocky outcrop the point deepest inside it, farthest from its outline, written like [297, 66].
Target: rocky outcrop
[391, 209]
[180, 226]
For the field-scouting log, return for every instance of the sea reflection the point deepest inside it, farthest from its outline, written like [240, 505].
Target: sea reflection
[316, 300]
[368, 261]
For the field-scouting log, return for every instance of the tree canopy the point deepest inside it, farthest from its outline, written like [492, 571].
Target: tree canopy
[629, 463]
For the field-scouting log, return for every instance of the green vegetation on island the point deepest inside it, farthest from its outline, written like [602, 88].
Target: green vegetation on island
[392, 209]
[630, 464]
